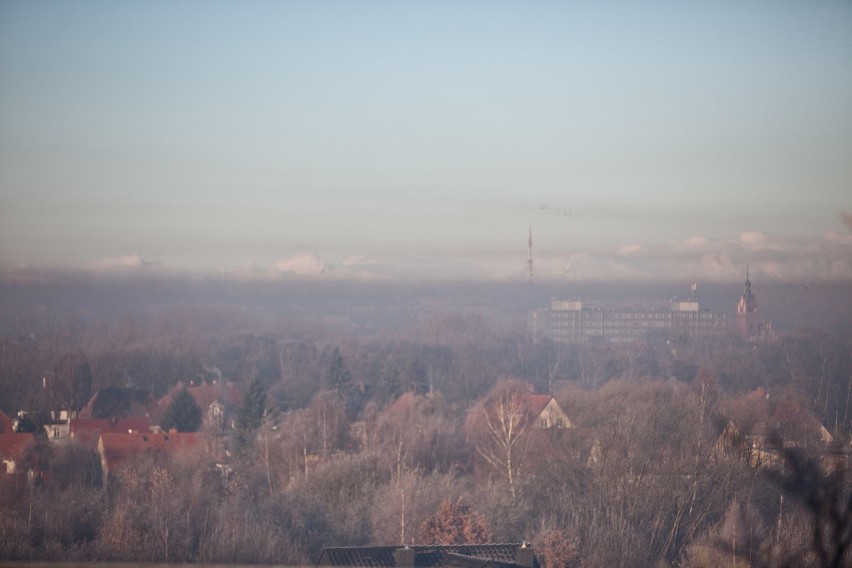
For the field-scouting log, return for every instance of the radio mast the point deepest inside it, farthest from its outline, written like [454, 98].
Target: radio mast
[530, 271]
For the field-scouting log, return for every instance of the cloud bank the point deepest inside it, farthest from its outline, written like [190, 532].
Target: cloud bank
[697, 258]
[846, 219]
[827, 257]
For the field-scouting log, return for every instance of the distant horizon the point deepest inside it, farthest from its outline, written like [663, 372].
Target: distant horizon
[368, 307]
[257, 274]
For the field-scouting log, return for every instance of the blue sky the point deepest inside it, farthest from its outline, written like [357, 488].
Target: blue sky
[415, 139]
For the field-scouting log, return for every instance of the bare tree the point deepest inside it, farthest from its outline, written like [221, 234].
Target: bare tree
[556, 549]
[498, 426]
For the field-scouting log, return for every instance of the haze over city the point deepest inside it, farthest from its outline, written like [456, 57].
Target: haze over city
[459, 284]
[414, 141]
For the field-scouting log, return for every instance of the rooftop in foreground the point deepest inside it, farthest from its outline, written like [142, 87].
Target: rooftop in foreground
[513, 555]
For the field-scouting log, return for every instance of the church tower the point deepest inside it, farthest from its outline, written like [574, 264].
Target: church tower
[749, 323]
[748, 301]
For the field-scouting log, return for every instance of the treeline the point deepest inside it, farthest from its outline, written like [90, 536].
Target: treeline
[459, 355]
[395, 439]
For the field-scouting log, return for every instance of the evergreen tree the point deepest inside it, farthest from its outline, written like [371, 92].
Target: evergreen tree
[26, 422]
[418, 376]
[251, 412]
[338, 377]
[183, 413]
[72, 386]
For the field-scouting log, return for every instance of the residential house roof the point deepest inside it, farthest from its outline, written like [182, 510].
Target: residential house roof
[115, 401]
[760, 426]
[431, 556]
[13, 445]
[116, 448]
[536, 403]
[88, 430]
[791, 415]
[403, 404]
[545, 410]
[453, 560]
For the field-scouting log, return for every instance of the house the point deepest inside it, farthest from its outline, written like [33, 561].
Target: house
[218, 402]
[14, 446]
[115, 449]
[57, 428]
[110, 402]
[431, 556]
[545, 412]
[89, 430]
[762, 427]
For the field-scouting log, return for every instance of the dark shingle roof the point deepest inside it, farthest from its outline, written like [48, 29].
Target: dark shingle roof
[453, 560]
[378, 556]
[426, 556]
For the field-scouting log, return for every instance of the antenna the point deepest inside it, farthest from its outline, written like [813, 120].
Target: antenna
[321, 270]
[530, 263]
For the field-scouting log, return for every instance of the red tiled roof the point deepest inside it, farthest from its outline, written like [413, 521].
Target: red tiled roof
[108, 425]
[791, 414]
[403, 404]
[757, 394]
[88, 430]
[13, 445]
[536, 403]
[115, 448]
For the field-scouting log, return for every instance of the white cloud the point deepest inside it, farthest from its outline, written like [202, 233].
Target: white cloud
[300, 264]
[697, 258]
[696, 241]
[753, 240]
[359, 260]
[717, 266]
[719, 259]
[627, 250]
[133, 260]
[844, 239]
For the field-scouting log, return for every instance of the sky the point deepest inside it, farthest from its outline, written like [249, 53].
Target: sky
[417, 140]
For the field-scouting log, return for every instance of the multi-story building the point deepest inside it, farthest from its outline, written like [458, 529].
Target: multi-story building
[568, 321]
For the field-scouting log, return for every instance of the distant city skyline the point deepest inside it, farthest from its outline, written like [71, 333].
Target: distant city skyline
[420, 140]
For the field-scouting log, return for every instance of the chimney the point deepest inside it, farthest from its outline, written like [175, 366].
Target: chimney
[404, 557]
[524, 556]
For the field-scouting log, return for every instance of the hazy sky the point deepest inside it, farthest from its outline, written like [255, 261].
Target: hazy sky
[418, 139]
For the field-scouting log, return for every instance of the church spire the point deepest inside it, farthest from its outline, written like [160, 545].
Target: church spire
[749, 324]
[747, 290]
[748, 301]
